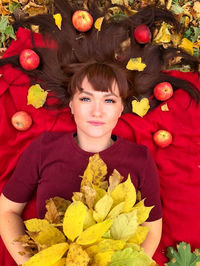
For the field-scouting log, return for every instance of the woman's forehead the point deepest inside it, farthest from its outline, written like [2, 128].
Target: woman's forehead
[87, 86]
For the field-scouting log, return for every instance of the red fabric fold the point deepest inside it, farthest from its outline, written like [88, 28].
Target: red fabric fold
[178, 164]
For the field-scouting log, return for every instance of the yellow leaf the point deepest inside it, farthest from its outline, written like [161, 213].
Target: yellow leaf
[164, 107]
[163, 36]
[187, 21]
[105, 245]
[114, 180]
[103, 258]
[187, 46]
[89, 220]
[120, 2]
[74, 219]
[98, 23]
[100, 193]
[124, 225]
[48, 256]
[61, 262]
[49, 236]
[124, 192]
[118, 209]
[36, 96]
[95, 172]
[94, 233]
[36, 225]
[135, 64]
[76, 256]
[142, 211]
[141, 107]
[89, 194]
[58, 20]
[140, 235]
[102, 208]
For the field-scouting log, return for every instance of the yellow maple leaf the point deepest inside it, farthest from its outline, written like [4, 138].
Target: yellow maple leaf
[140, 235]
[187, 46]
[48, 256]
[36, 96]
[135, 64]
[98, 23]
[140, 107]
[58, 20]
[76, 256]
[94, 233]
[74, 219]
[163, 36]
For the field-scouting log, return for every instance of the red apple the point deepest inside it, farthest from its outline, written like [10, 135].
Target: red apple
[142, 34]
[21, 120]
[28, 59]
[162, 138]
[82, 20]
[163, 91]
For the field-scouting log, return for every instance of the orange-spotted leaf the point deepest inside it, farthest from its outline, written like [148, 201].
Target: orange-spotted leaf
[76, 256]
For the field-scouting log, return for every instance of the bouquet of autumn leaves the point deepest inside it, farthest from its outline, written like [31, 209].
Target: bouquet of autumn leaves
[101, 226]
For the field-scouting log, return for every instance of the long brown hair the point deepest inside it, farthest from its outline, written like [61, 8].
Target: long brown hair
[76, 51]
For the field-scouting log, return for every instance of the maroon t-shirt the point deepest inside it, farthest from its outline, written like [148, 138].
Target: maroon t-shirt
[53, 163]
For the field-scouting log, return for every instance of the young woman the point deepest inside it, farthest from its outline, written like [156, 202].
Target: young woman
[87, 72]
[53, 163]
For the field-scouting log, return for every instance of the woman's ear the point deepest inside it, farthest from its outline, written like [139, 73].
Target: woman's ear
[70, 106]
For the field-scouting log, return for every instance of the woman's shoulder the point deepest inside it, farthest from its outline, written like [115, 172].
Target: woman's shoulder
[132, 148]
[49, 138]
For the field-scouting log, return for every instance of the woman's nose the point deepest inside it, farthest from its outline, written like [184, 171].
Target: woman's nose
[97, 109]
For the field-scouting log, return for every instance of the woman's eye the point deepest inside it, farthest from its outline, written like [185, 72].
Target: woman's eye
[84, 99]
[110, 101]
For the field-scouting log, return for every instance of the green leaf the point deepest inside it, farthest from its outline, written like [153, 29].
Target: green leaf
[3, 23]
[10, 32]
[196, 52]
[183, 256]
[13, 6]
[130, 257]
[176, 8]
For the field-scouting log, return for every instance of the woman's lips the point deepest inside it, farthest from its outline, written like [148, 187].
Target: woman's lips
[96, 123]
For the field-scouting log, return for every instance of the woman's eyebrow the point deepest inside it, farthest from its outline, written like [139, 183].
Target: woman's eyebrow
[105, 95]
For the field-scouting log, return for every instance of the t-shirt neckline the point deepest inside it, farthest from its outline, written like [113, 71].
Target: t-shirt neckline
[86, 153]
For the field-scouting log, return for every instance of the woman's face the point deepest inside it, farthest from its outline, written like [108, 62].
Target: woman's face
[96, 113]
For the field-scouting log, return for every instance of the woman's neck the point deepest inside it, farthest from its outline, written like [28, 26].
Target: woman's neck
[93, 145]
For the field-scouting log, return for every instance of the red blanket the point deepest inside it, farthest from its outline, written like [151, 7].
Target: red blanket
[178, 164]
